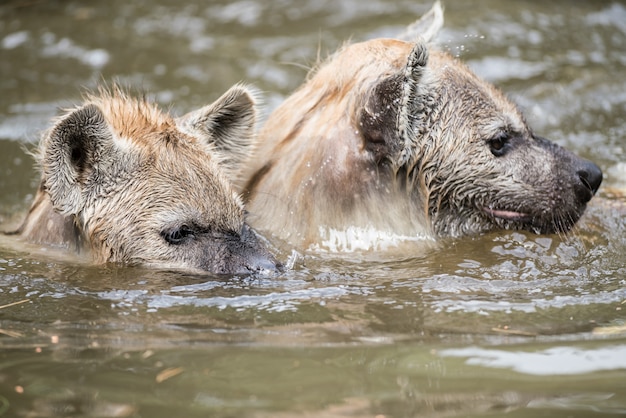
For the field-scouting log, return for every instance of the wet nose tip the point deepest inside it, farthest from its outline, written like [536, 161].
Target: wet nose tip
[261, 264]
[591, 176]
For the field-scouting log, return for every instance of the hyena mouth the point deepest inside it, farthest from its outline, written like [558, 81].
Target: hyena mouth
[508, 215]
[521, 220]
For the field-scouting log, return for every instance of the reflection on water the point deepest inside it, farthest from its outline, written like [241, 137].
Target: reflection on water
[506, 323]
[557, 360]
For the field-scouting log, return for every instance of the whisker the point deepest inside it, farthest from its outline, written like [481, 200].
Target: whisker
[307, 68]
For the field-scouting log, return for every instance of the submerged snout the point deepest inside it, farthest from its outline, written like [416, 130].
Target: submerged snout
[261, 263]
[248, 254]
[590, 176]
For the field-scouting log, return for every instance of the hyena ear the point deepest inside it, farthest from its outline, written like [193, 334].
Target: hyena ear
[396, 109]
[228, 124]
[75, 147]
[426, 27]
[416, 102]
[378, 119]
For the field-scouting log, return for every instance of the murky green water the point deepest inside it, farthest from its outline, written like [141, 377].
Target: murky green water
[504, 324]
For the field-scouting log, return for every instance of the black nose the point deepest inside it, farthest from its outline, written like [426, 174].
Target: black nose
[591, 177]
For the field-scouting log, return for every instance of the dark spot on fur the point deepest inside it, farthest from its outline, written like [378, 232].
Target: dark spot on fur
[255, 179]
[377, 120]
[294, 133]
[78, 155]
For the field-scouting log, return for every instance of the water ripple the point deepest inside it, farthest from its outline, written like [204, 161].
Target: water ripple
[560, 360]
[485, 307]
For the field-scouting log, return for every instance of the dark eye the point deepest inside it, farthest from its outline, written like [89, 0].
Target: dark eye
[499, 145]
[178, 235]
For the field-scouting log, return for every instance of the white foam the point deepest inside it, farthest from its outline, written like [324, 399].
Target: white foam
[353, 239]
[552, 361]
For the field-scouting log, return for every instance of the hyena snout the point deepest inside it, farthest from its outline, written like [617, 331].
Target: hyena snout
[590, 178]
[583, 176]
[246, 254]
[261, 263]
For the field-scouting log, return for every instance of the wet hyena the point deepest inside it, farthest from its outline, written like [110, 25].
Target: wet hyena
[398, 136]
[126, 182]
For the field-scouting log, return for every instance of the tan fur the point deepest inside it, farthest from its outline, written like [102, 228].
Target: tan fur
[131, 117]
[43, 225]
[126, 182]
[303, 142]
[396, 136]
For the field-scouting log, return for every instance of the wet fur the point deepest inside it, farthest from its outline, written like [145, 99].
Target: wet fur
[395, 135]
[120, 177]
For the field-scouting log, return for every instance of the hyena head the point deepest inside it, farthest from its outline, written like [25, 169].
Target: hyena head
[146, 188]
[397, 136]
[465, 150]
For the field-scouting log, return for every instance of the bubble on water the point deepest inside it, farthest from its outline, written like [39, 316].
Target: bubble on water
[244, 12]
[66, 48]
[160, 69]
[13, 40]
[534, 37]
[96, 58]
[500, 69]
[614, 15]
[202, 44]
[553, 361]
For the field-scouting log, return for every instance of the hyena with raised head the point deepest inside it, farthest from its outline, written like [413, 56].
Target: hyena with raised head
[126, 182]
[398, 136]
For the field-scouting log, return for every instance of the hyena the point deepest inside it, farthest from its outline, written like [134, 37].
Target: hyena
[398, 136]
[126, 182]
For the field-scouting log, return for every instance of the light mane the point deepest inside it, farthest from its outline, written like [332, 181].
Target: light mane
[130, 117]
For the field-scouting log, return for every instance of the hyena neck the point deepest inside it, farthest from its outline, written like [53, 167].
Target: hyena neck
[457, 223]
[382, 212]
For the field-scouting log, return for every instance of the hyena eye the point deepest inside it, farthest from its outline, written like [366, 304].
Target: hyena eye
[499, 145]
[177, 235]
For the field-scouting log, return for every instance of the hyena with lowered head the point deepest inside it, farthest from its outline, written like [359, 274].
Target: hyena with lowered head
[126, 182]
[400, 137]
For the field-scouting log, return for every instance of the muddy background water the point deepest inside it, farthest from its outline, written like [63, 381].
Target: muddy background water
[503, 324]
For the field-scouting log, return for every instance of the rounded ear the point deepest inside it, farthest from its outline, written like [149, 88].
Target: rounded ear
[228, 124]
[426, 27]
[70, 153]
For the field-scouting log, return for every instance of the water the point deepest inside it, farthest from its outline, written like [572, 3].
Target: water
[506, 323]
